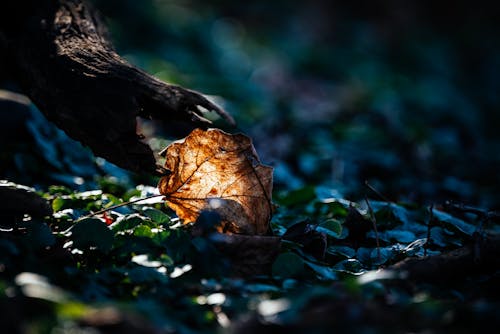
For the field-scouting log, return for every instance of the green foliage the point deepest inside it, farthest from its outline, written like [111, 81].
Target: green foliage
[144, 263]
[288, 265]
[156, 216]
[330, 227]
[91, 233]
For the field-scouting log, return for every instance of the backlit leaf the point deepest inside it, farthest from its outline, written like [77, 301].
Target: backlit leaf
[288, 265]
[215, 171]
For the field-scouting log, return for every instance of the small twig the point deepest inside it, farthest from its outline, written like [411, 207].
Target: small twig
[484, 214]
[374, 222]
[483, 217]
[378, 193]
[429, 225]
[118, 206]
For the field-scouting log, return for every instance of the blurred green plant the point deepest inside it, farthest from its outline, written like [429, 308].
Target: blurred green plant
[138, 262]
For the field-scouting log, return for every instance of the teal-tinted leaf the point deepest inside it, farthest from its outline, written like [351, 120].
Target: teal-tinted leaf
[331, 227]
[156, 216]
[394, 236]
[260, 288]
[400, 212]
[7, 248]
[93, 290]
[178, 244]
[454, 224]
[127, 244]
[288, 265]
[38, 234]
[364, 255]
[444, 238]
[351, 266]
[289, 284]
[141, 274]
[323, 272]
[343, 251]
[375, 257]
[382, 255]
[90, 233]
[389, 215]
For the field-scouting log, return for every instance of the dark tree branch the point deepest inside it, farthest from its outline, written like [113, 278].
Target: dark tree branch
[63, 59]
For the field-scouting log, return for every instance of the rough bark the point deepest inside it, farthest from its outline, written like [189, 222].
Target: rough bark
[60, 54]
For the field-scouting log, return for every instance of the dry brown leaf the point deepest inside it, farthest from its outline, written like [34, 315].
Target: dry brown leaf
[214, 170]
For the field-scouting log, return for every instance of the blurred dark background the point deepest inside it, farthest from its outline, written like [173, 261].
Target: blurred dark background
[404, 95]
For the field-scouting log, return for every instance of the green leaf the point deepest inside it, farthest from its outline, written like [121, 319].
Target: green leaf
[90, 233]
[112, 199]
[161, 237]
[59, 190]
[129, 222]
[72, 310]
[299, 196]
[131, 193]
[58, 204]
[288, 265]
[389, 215]
[143, 231]
[156, 216]
[331, 227]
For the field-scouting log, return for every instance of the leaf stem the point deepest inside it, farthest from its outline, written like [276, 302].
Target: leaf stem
[118, 206]
[429, 225]
[378, 193]
[374, 222]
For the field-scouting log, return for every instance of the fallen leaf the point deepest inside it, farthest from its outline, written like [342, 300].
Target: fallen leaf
[215, 171]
